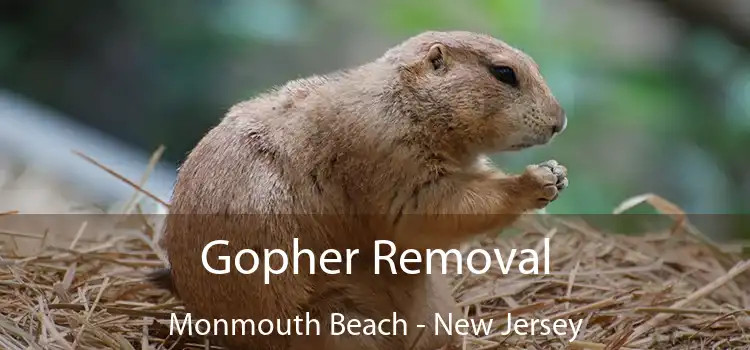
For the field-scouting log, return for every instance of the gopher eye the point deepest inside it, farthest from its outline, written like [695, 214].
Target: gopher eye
[504, 74]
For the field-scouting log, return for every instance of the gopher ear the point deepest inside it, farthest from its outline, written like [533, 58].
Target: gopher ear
[436, 56]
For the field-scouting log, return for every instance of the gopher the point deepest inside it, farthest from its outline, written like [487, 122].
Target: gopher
[395, 149]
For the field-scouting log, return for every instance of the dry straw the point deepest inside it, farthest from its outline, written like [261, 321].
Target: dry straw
[662, 290]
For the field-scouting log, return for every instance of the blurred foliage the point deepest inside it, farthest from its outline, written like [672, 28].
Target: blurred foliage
[153, 73]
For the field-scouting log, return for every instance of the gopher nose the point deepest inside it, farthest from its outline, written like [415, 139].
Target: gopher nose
[562, 123]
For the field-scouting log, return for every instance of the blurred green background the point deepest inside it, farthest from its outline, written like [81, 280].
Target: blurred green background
[657, 92]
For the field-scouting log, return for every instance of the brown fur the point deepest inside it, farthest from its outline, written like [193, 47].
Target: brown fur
[340, 160]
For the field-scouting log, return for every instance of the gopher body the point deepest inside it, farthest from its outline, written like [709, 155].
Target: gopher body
[395, 149]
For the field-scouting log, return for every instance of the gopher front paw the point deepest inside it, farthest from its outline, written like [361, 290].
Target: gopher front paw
[544, 182]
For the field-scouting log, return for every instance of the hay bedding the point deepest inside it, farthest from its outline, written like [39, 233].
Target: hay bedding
[664, 290]
[93, 297]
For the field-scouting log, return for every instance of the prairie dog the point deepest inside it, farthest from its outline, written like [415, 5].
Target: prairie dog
[395, 149]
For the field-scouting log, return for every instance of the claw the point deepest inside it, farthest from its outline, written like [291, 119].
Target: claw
[551, 163]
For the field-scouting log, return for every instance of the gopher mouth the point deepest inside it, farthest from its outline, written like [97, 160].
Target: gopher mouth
[517, 142]
[529, 142]
[520, 146]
